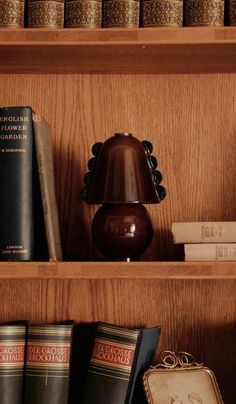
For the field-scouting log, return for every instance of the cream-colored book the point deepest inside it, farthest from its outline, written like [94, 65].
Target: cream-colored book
[210, 252]
[44, 153]
[204, 232]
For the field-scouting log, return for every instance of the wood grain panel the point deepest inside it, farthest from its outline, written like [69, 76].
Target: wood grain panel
[179, 306]
[158, 50]
[190, 119]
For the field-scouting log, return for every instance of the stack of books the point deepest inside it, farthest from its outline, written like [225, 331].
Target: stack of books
[39, 363]
[206, 241]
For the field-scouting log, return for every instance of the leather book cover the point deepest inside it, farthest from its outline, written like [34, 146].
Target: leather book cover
[48, 358]
[45, 165]
[12, 13]
[83, 14]
[16, 198]
[119, 357]
[46, 13]
[12, 358]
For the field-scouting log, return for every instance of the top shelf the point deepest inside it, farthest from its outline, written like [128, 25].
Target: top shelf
[141, 50]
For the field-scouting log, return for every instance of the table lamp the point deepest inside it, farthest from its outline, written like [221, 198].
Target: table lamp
[122, 177]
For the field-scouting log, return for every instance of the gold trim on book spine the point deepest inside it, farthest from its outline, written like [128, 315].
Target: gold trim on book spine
[12, 13]
[232, 12]
[84, 14]
[46, 14]
[204, 13]
[160, 13]
[121, 13]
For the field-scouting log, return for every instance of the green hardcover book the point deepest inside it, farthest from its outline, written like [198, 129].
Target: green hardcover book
[119, 357]
[12, 358]
[16, 199]
[47, 371]
[29, 224]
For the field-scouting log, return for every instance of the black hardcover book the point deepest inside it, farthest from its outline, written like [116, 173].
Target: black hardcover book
[120, 356]
[48, 363]
[12, 358]
[16, 198]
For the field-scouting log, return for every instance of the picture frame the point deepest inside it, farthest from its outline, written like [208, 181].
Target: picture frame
[178, 379]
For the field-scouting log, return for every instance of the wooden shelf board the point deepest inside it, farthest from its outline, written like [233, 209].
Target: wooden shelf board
[142, 50]
[118, 270]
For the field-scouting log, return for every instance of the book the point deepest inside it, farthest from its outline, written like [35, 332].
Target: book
[48, 358]
[231, 11]
[16, 171]
[45, 164]
[46, 13]
[203, 13]
[204, 232]
[12, 359]
[83, 14]
[210, 252]
[162, 13]
[121, 13]
[12, 13]
[29, 224]
[119, 357]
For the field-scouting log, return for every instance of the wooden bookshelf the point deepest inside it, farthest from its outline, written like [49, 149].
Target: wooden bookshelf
[176, 88]
[141, 50]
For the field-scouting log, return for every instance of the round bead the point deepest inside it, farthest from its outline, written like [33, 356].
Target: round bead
[91, 163]
[96, 148]
[157, 175]
[148, 146]
[161, 192]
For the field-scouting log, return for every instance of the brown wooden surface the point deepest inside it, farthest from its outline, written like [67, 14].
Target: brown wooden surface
[191, 121]
[156, 50]
[118, 270]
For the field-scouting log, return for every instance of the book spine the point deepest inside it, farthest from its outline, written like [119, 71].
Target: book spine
[12, 13]
[45, 165]
[12, 357]
[204, 232]
[146, 354]
[110, 365]
[203, 13]
[16, 202]
[210, 252]
[48, 358]
[232, 12]
[121, 13]
[46, 13]
[162, 13]
[83, 14]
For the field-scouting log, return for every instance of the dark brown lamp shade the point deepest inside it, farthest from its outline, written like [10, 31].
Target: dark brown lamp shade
[122, 173]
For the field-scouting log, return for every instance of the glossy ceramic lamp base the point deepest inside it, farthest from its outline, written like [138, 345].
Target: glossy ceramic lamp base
[122, 232]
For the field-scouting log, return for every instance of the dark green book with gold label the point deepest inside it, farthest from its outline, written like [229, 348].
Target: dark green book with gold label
[12, 358]
[48, 358]
[119, 357]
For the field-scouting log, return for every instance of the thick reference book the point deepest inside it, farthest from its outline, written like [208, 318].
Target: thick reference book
[12, 359]
[119, 357]
[48, 359]
[45, 165]
[210, 252]
[204, 232]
